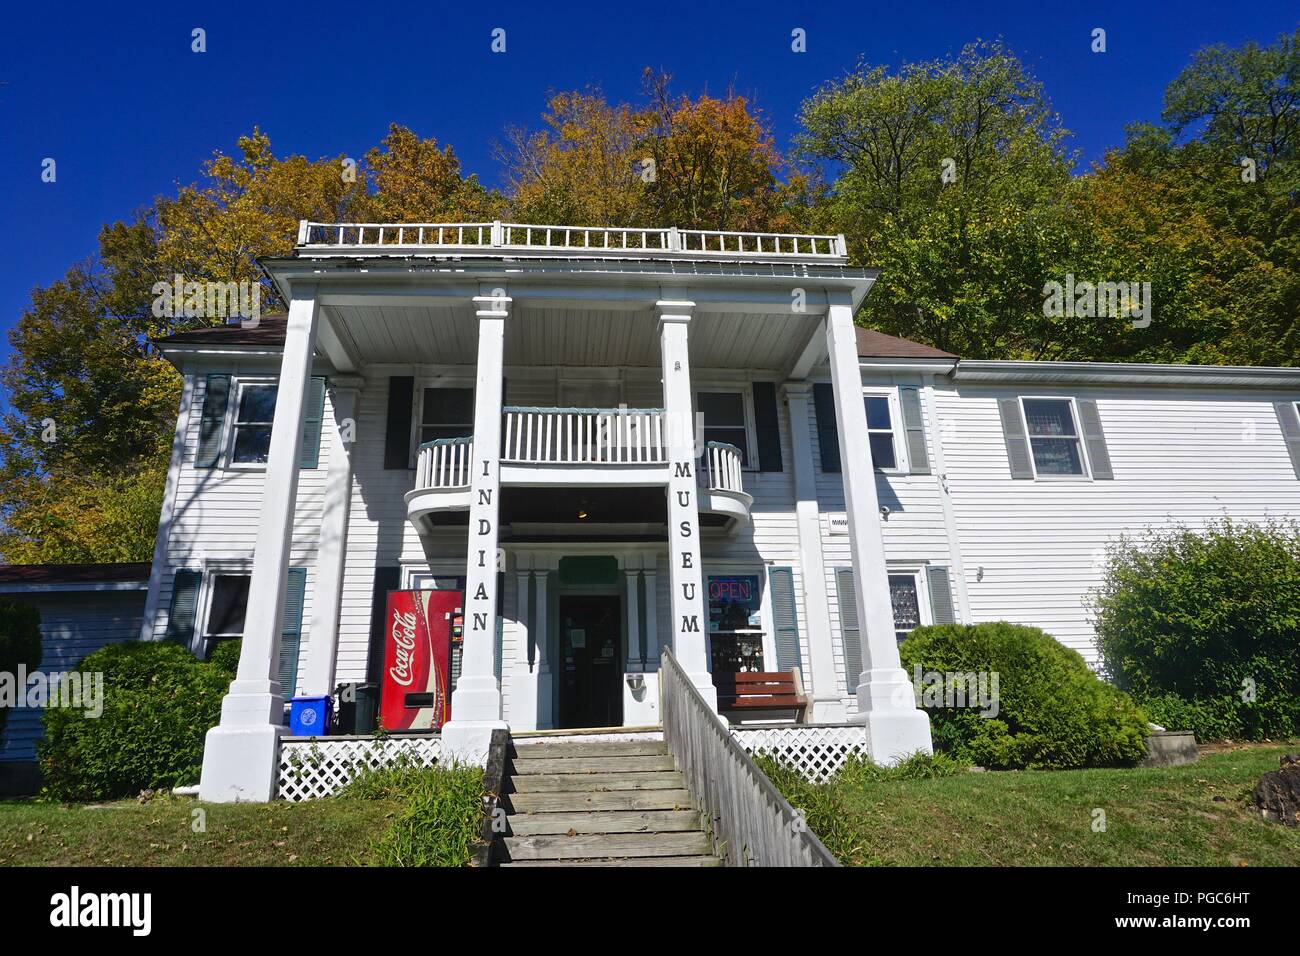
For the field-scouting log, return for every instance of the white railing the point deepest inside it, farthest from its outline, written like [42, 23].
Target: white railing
[724, 468]
[614, 240]
[444, 463]
[584, 436]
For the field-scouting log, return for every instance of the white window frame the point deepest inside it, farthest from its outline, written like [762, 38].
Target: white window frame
[238, 383]
[1086, 475]
[746, 392]
[919, 580]
[902, 466]
[456, 380]
[207, 588]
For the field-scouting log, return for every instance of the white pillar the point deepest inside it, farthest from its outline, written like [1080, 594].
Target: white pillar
[240, 755]
[476, 702]
[523, 684]
[827, 706]
[323, 640]
[545, 682]
[688, 619]
[652, 614]
[886, 703]
[635, 663]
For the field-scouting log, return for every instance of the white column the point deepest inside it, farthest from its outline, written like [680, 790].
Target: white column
[545, 682]
[687, 602]
[635, 663]
[652, 614]
[476, 702]
[323, 640]
[886, 703]
[240, 754]
[523, 684]
[827, 706]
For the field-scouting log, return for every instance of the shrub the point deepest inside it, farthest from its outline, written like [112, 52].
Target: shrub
[439, 825]
[1053, 712]
[226, 655]
[158, 704]
[1203, 626]
[20, 641]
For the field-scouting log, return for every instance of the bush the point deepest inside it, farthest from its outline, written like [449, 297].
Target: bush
[20, 641]
[158, 704]
[226, 655]
[1052, 711]
[440, 823]
[1203, 627]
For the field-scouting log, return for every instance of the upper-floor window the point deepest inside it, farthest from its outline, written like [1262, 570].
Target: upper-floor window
[880, 432]
[251, 425]
[447, 413]
[726, 419]
[1053, 432]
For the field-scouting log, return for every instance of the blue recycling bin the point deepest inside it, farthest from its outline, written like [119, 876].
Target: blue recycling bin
[311, 716]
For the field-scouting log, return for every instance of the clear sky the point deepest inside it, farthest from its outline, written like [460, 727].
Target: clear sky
[114, 94]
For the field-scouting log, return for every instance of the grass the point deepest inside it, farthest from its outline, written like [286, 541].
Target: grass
[1197, 815]
[392, 818]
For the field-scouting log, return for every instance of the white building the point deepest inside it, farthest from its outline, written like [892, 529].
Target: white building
[511, 409]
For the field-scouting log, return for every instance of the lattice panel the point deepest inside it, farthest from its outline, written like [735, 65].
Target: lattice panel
[319, 767]
[817, 752]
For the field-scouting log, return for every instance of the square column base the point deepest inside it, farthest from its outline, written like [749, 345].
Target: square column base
[895, 727]
[640, 704]
[241, 763]
[466, 743]
[829, 710]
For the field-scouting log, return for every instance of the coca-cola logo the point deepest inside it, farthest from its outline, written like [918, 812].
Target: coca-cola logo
[404, 642]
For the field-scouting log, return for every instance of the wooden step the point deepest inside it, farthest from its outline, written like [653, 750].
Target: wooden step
[614, 764]
[581, 800]
[591, 748]
[625, 861]
[597, 845]
[635, 780]
[605, 821]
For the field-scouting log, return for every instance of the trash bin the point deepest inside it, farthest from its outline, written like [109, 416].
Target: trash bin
[311, 716]
[358, 708]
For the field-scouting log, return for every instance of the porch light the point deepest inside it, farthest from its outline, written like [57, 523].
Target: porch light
[581, 514]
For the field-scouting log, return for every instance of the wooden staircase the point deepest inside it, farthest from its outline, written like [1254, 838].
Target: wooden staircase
[600, 803]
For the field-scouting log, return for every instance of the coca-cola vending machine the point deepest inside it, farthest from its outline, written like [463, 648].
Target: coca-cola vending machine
[424, 633]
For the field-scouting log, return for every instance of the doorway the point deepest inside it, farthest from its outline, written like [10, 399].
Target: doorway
[591, 661]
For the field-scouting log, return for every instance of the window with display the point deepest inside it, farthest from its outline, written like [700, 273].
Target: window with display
[735, 623]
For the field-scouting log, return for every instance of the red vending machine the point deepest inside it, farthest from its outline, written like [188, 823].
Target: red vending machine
[423, 627]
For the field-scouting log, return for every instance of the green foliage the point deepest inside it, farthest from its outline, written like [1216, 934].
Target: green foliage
[1053, 712]
[158, 704]
[226, 655]
[441, 819]
[1197, 622]
[20, 641]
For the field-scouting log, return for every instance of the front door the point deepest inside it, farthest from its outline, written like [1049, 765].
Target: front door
[591, 661]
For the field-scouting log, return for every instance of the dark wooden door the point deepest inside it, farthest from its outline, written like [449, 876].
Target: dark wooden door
[591, 661]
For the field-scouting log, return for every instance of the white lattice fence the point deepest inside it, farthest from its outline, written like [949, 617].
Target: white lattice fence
[319, 766]
[817, 751]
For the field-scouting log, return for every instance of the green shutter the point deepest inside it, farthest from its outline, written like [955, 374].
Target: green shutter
[850, 635]
[938, 582]
[1013, 433]
[918, 457]
[313, 416]
[184, 607]
[767, 427]
[786, 618]
[291, 635]
[1095, 439]
[216, 395]
[828, 435]
[397, 424]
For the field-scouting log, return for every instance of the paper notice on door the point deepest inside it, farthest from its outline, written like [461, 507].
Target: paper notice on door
[577, 638]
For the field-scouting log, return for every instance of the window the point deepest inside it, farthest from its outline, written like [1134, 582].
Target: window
[735, 625]
[254, 413]
[725, 420]
[447, 413]
[1053, 436]
[226, 607]
[906, 600]
[880, 432]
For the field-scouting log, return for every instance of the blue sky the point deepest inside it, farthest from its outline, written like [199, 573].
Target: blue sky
[128, 111]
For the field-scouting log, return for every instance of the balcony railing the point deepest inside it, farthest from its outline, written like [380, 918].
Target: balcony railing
[724, 467]
[610, 240]
[584, 436]
[444, 463]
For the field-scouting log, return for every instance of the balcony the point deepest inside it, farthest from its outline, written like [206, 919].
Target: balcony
[576, 447]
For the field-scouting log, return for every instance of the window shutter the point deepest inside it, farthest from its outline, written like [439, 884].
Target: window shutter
[216, 395]
[767, 427]
[313, 416]
[1095, 439]
[1013, 433]
[940, 586]
[786, 618]
[184, 607]
[917, 456]
[291, 635]
[386, 579]
[828, 435]
[397, 433]
[1289, 419]
[850, 635]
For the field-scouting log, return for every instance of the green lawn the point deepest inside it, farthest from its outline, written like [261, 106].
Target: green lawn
[1157, 817]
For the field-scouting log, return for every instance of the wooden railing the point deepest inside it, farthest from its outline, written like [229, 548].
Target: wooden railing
[752, 824]
[614, 240]
[724, 468]
[584, 436]
[444, 463]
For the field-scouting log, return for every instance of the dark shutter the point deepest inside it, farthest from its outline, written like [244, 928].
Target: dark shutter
[918, 458]
[386, 579]
[1013, 433]
[828, 436]
[1095, 439]
[938, 581]
[767, 427]
[313, 416]
[291, 636]
[216, 395]
[397, 433]
[1289, 420]
[850, 635]
[786, 618]
[184, 607]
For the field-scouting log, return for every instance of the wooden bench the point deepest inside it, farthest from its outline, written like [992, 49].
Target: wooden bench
[755, 693]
